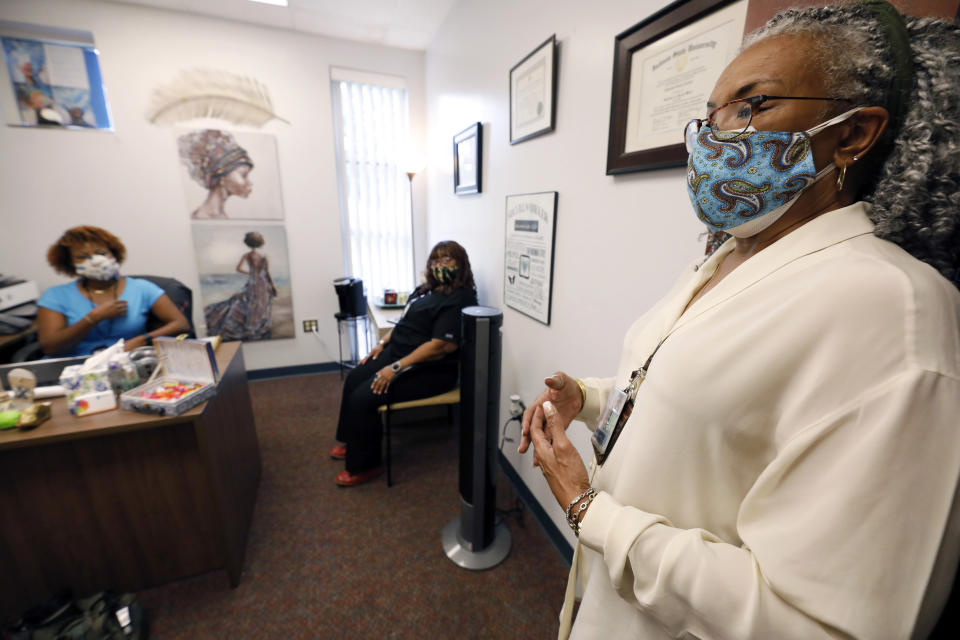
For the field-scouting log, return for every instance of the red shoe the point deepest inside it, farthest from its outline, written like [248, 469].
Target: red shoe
[339, 452]
[347, 479]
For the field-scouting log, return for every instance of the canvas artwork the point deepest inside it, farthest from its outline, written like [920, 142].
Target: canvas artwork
[229, 175]
[244, 280]
[56, 84]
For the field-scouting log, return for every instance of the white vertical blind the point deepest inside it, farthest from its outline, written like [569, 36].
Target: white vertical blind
[372, 127]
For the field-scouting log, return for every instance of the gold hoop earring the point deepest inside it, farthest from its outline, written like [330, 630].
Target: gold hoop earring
[841, 177]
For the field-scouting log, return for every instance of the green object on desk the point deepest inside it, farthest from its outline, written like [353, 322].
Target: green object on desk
[8, 419]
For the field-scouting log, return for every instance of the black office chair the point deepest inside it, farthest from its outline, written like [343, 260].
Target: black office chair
[179, 293]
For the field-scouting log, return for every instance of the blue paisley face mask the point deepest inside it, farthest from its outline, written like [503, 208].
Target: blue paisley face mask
[743, 185]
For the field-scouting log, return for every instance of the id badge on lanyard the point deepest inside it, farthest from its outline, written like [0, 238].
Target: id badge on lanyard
[615, 415]
[618, 410]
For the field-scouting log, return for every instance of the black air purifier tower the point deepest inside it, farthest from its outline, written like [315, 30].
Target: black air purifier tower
[471, 540]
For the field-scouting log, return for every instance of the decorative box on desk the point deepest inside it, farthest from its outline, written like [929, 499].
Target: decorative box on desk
[189, 377]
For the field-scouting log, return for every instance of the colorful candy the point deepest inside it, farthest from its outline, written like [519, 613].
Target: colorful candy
[171, 391]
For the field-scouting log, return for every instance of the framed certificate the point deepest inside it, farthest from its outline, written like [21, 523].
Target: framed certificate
[467, 155]
[528, 253]
[533, 83]
[664, 70]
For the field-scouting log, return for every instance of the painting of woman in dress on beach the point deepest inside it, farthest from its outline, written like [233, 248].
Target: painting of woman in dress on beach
[217, 181]
[246, 315]
[251, 300]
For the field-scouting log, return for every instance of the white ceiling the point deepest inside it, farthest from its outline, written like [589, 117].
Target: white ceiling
[409, 24]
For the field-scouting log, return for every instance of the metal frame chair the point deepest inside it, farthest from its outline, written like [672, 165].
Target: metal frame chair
[449, 398]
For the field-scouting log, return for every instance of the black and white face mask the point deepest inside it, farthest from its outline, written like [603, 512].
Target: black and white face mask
[444, 275]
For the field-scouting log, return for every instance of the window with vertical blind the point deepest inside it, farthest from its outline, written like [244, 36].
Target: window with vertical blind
[371, 127]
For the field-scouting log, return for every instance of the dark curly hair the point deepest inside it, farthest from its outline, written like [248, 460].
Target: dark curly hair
[464, 273]
[913, 183]
[59, 257]
[253, 239]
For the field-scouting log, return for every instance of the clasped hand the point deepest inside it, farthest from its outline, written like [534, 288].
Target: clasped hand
[544, 425]
[111, 309]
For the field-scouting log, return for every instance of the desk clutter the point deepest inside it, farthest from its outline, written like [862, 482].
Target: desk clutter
[172, 376]
[17, 408]
[24, 419]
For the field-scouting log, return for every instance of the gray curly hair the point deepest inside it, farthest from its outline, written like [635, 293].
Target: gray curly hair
[913, 181]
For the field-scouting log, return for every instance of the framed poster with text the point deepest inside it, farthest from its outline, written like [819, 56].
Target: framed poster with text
[528, 253]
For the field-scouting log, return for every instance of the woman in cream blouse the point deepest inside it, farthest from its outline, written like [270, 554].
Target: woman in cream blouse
[788, 466]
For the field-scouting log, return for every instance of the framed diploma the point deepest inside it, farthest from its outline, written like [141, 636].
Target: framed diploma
[533, 83]
[528, 253]
[467, 154]
[664, 69]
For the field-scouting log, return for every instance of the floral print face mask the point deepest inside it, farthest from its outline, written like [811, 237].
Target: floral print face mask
[98, 267]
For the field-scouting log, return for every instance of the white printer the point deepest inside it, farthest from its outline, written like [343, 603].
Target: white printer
[17, 304]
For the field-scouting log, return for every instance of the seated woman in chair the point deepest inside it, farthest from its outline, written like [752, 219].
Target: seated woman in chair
[429, 330]
[101, 306]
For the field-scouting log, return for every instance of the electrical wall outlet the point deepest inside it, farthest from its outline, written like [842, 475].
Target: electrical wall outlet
[516, 406]
[309, 326]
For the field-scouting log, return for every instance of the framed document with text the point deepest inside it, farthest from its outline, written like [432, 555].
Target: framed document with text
[528, 253]
[467, 159]
[663, 72]
[533, 83]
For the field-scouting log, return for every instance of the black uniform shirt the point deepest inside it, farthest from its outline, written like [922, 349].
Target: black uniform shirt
[434, 315]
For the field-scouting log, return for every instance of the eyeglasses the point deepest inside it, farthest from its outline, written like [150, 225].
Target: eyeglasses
[732, 119]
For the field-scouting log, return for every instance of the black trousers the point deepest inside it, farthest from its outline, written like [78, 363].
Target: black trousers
[359, 425]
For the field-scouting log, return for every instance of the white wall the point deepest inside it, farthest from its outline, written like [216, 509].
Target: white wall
[620, 242]
[129, 181]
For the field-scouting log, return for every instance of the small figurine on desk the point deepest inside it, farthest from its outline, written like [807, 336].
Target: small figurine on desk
[22, 382]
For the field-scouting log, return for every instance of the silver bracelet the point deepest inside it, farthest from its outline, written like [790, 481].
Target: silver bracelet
[573, 517]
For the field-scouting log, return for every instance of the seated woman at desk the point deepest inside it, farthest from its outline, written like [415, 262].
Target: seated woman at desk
[101, 306]
[428, 330]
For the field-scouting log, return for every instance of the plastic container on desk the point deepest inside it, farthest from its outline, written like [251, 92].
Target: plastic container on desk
[182, 362]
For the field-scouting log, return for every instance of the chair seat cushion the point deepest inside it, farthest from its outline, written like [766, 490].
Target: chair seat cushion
[449, 397]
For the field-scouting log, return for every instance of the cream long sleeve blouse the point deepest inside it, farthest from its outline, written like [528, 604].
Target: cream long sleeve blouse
[790, 466]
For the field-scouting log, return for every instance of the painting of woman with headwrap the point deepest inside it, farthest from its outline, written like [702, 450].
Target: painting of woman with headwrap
[218, 165]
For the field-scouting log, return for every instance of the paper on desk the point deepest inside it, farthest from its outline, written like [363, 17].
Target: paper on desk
[52, 391]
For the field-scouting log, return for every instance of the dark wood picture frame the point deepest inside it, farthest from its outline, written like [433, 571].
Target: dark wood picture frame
[551, 91]
[466, 176]
[671, 18]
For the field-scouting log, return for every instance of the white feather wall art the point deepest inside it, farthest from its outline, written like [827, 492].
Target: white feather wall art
[208, 93]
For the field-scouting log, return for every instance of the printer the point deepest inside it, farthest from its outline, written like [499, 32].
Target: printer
[17, 304]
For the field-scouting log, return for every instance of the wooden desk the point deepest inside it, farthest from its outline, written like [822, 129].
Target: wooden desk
[383, 319]
[125, 500]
